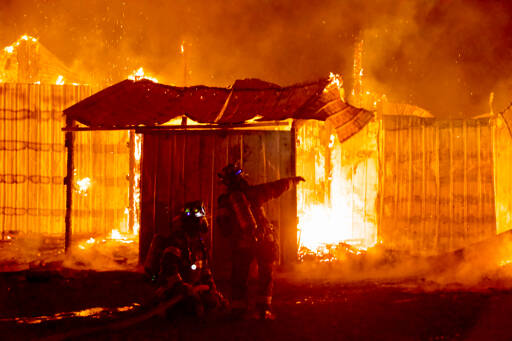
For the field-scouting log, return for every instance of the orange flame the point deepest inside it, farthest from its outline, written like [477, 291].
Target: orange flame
[83, 185]
[337, 81]
[136, 184]
[10, 49]
[60, 80]
[139, 74]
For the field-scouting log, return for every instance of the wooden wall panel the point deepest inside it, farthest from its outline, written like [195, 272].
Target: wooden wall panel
[340, 177]
[437, 184]
[183, 166]
[32, 155]
[503, 178]
[103, 157]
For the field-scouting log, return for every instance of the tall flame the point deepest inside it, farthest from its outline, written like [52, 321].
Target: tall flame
[139, 74]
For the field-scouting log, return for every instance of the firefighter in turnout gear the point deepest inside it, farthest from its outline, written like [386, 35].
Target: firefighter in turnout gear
[179, 263]
[241, 217]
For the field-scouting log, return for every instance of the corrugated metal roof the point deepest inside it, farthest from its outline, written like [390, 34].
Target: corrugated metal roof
[143, 102]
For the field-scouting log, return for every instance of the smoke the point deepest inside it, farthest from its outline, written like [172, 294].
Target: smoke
[487, 264]
[445, 56]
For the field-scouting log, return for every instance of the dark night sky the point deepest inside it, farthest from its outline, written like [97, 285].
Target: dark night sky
[443, 55]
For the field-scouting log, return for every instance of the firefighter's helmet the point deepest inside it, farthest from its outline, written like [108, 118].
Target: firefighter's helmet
[231, 175]
[194, 217]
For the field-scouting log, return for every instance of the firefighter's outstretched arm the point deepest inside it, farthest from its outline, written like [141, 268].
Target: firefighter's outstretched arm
[270, 190]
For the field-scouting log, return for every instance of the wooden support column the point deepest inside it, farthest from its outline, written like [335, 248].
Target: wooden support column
[69, 142]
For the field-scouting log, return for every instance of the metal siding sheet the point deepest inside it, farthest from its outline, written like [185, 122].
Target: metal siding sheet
[33, 150]
[444, 168]
[192, 174]
[503, 162]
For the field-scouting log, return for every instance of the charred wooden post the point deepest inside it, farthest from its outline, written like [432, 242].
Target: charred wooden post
[69, 142]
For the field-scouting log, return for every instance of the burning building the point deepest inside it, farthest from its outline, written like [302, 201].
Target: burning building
[396, 176]
[393, 175]
[35, 87]
[179, 162]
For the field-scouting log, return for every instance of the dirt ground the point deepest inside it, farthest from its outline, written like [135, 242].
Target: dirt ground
[308, 306]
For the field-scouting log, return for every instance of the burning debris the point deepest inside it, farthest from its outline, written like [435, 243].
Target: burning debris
[117, 251]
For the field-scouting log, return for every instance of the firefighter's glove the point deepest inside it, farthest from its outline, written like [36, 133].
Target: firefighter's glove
[298, 179]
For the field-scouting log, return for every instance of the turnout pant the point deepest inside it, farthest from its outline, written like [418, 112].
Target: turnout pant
[264, 254]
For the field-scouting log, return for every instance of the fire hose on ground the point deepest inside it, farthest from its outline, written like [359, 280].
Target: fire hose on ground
[160, 309]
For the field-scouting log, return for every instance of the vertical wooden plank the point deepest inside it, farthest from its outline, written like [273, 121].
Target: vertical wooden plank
[288, 203]
[450, 200]
[489, 217]
[179, 186]
[458, 170]
[383, 181]
[272, 172]
[424, 198]
[445, 186]
[221, 250]
[3, 168]
[193, 177]
[148, 173]
[397, 179]
[473, 199]
[438, 187]
[478, 227]
[205, 177]
[163, 212]
[23, 159]
[465, 180]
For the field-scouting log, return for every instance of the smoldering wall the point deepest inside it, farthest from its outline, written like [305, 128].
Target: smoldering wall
[444, 55]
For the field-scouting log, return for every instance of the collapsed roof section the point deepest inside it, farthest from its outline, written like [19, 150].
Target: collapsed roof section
[143, 102]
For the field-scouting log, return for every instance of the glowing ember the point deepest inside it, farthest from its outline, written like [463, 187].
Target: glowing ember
[95, 312]
[139, 74]
[83, 185]
[182, 48]
[90, 241]
[9, 49]
[60, 80]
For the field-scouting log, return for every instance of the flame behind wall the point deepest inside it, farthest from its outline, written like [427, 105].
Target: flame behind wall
[336, 204]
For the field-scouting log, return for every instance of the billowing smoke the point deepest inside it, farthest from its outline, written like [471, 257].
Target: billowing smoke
[445, 56]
